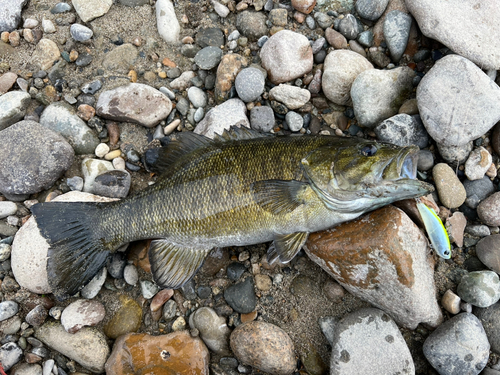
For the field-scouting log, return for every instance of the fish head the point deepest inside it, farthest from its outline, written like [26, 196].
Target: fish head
[364, 175]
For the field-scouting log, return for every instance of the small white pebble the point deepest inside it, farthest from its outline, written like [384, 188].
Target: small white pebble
[119, 163]
[7, 208]
[101, 150]
[30, 23]
[13, 220]
[48, 27]
[29, 203]
[171, 127]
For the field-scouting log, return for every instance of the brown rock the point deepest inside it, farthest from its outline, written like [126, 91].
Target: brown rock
[304, 6]
[14, 39]
[7, 80]
[336, 39]
[85, 112]
[489, 210]
[126, 319]
[142, 354]
[160, 298]
[46, 54]
[488, 252]
[263, 282]
[264, 346]
[227, 71]
[455, 226]
[113, 132]
[381, 258]
[450, 190]
[216, 260]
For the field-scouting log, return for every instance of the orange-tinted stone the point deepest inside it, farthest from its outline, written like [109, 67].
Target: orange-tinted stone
[160, 298]
[304, 6]
[227, 71]
[142, 354]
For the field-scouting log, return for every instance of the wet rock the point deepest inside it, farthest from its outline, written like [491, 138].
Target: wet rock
[286, 55]
[166, 21]
[379, 270]
[396, 32]
[452, 26]
[88, 346]
[488, 252]
[249, 84]
[36, 317]
[213, 329]
[241, 296]
[489, 210]
[112, 184]
[458, 346]
[490, 319]
[480, 288]
[29, 249]
[377, 94]
[262, 119]
[264, 346]
[368, 341]
[341, 68]
[32, 158]
[90, 9]
[402, 130]
[227, 71]
[10, 14]
[222, 117]
[13, 107]
[175, 353]
[61, 118]
[126, 319]
[135, 102]
[450, 190]
[10, 354]
[82, 313]
[251, 24]
[457, 101]
[292, 96]
[371, 9]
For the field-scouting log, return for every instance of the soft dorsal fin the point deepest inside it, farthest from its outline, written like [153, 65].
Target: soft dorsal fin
[286, 246]
[278, 196]
[173, 265]
[237, 133]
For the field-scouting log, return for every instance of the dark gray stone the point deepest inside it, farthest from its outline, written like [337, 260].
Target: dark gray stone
[403, 130]
[371, 9]
[212, 36]
[235, 270]
[396, 32]
[477, 191]
[208, 58]
[366, 38]
[241, 296]
[490, 319]
[425, 160]
[251, 24]
[348, 27]
[112, 184]
[188, 290]
[488, 251]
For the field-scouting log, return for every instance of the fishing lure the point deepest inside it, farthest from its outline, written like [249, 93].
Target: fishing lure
[435, 230]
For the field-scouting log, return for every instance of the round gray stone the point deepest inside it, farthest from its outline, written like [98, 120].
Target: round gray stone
[213, 329]
[371, 9]
[241, 296]
[488, 252]
[251, 24]
[480, 288]
[208, 57]
[294, 121]
[402, 130]
[249, 84]
[197, 97]
[262, 119]
[80, 33]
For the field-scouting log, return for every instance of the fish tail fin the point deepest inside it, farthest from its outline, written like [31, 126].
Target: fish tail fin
[77, 251]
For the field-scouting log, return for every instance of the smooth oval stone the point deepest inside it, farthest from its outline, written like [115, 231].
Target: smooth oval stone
[8, 309]
[489, 210]
[166, 21]
[37, 316]
[477, 191]
[7, 208]
[292, 96]
[396, 32]
[127, 318]
[213, 329]
[490, 319]
[450, 190]
[13, 107]
[480, 288]
[264, 346]
[249, 84]
[208, 57]
[80, 33]
[241, 296]
[262, 118]
[488, 252]
[82, 313]
[197, 97]
[371, 9]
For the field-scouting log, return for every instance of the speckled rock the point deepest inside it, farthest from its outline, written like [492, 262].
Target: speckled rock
[396, 32]
[455, 154]
[32, 158]
[91, 168]
[402, 130]
[175, 353]
[368, 341]
[286, 55]
[213, 329]
[457, 101]
[121, 58]
[371, 9]
[82, 313]
[490, 319]
[489, 210]
[241, 296]
[249, 84]
[292, 96]
[488, 252]
[13, 107]
[8, 309]
[458, 346]
[480, 288]
[46, 54]
[251, 24]
[377, 94]
[227, 71]
[88, 346]
[222, 117]
[134, 102]
[10, 14]
[341, 67]
[381, 258]
[262, 118]
[477, 164]
[264, 346]
[90, 9]
[10, 354]
[166, 21]
[450, 190]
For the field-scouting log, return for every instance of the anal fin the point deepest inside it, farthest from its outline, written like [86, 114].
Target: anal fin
[279, 196]
[285, 247]
[173, 265]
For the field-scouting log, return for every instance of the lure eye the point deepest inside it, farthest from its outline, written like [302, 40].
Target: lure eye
[446, 252]
[369, 150]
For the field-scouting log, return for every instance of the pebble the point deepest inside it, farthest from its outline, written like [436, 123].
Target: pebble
[91, 168]
[348, 26]
[13, 107]
[452, 26]
[5, 251]
[292, 96]
[208, 57]
[365, 39]
[60, 8]
[263, 346]
[263, 282]
[121, 58]
[287, 55]
[93, 288]
[451, 302]
[227, 71]
[455, 154]
[380, 282]
[32, 158]
[480, 288]
[179, 324]
[457, 101]
[488, 251]
[323, 20]
[75, 183]
[7, 209]
[80, 33]
[10, 17]
[199, 114]
[249, 84]
[8, 309]
[126, 319]
[402, 130]
[48, 365]
[36, 317]
[222, 117]
[490, 318]
[169, 310]
[48, 27]
[222, 10]
[450, 190]
[148, 289]
[396, 32]
[90, 9]
[235, 270]
[10, 354]
[304, 6]
[458, 346]
[112, 184]
[489, 210]
[130, 274]
[371, 9]
[294, 121]
[7, 80]
[197, 97]
[251, 24]
[88, 346]
[184, 81]
[262, 119]
[335, 39]
[213, 329]
[477, 164]
[241, 296]
[360, 337]
[180, 353]
[46, 54]
[341, 68]
[82, 313]
[101, 150]
[135, 102]
[14, 39]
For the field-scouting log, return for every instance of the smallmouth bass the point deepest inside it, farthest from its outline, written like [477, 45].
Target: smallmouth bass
[239, 189]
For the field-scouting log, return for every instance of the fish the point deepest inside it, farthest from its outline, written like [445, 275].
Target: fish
[240, 188]
[435, 230]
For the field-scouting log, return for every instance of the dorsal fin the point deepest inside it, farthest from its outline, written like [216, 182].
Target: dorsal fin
[237, 133]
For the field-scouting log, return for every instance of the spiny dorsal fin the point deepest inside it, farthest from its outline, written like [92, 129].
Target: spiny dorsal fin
[286, 246]
[237, 133]
[278, 196]
[173, 265]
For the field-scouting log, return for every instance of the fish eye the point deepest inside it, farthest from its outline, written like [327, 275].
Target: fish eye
[369, 150]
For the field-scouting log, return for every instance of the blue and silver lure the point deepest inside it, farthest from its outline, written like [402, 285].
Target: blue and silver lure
[435, 230]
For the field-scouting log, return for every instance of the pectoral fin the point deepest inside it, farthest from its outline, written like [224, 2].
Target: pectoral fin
[279, 196]
[173, 265]
[285, 247]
